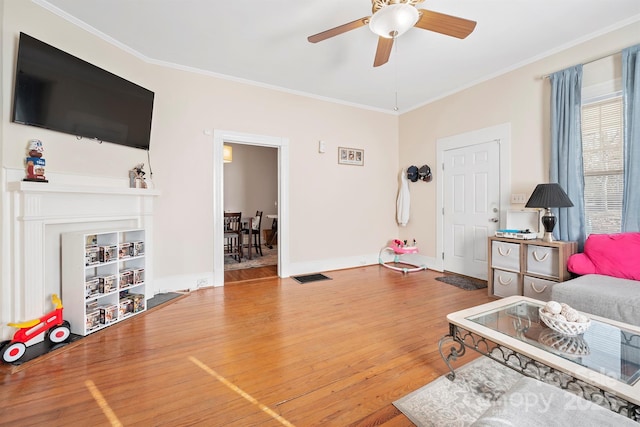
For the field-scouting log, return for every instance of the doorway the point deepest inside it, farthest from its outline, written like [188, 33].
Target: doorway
[282, 145]
[473, 194]
[251, 186]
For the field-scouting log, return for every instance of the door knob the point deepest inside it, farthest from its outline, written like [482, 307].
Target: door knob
[494, 220]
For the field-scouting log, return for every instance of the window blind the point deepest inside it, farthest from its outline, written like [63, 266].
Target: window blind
[602, 153]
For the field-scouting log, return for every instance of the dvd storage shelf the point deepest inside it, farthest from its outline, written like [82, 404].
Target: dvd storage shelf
[103, 278]
[527, 267]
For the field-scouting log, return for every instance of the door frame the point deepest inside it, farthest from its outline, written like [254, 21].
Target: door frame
[500, 133]
[282, 144]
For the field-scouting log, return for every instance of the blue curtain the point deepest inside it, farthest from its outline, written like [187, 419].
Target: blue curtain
[631, 105]
[566, 151]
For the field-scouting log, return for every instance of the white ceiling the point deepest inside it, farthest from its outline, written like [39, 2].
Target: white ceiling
[265, 42]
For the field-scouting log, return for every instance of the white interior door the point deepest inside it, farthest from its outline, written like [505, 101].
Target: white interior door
[471, 207]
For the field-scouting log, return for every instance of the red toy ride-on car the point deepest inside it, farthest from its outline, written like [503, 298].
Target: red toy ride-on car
[58, 331]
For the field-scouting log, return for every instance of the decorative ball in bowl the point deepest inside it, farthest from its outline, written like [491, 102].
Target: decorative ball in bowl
[563, 319]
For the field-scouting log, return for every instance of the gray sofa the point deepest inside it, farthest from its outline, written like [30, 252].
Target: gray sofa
[609, 282]
[610, 297]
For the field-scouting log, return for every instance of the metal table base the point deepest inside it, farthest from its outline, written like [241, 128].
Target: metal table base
[461, 339]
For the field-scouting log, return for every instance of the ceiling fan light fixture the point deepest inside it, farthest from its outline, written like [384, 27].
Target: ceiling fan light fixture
[394, 20]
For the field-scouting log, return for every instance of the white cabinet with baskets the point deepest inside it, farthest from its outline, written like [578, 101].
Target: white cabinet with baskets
[103, 278]
[527, 267]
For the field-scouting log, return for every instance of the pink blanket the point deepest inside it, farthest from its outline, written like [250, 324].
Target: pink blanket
[616, 255]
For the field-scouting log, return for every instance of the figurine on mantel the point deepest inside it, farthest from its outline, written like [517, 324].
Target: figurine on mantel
[136, 177]
[35, 163]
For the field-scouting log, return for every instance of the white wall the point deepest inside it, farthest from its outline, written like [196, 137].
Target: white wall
[329, 203]
[521, 98]
[4, 236]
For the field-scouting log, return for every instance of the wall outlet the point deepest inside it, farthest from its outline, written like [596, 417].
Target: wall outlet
[519, 198]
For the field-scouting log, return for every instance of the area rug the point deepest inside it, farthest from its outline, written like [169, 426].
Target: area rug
[310, 278]
[269, 257]
[459, 402]
[462, 282]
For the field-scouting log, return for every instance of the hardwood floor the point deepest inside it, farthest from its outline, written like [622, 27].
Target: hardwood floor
[267, 352]
[270, 271]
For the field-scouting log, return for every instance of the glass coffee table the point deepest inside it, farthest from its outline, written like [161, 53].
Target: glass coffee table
[601, 365]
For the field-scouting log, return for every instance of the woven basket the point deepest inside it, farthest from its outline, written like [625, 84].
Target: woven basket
[570, 329]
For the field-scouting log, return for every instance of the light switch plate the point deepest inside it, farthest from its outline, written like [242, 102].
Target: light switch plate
[519, 198]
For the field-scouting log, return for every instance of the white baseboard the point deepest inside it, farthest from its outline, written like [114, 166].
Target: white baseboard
[349, 262]
[194, 281]
[182, 282]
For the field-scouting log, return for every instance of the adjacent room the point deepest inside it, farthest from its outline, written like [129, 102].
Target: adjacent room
[251, 189]
[375, 212]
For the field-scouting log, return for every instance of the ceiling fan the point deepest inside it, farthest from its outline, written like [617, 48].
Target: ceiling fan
[392, 18]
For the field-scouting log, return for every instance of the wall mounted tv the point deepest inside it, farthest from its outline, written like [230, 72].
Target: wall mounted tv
[57, 91]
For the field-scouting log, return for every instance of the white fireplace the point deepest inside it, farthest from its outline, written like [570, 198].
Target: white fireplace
[38, 214]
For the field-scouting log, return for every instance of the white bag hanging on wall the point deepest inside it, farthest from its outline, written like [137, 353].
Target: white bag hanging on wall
[403, 202]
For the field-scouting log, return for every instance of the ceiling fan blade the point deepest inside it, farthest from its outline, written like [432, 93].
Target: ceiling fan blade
[339, 30]
[445, 24]
[383, 51]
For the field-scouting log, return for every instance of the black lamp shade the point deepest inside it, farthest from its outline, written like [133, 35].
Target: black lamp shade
[549, 196]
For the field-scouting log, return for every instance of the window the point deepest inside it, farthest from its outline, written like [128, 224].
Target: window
[602, 152]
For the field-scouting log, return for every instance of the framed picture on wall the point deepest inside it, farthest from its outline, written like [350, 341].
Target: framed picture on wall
[350, 156]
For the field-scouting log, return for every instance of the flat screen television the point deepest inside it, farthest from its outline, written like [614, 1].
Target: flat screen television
[58, 91]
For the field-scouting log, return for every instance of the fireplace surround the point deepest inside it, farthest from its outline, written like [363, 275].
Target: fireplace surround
[38, 215]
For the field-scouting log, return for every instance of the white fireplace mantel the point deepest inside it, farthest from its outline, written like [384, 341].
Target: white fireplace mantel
[46, 187]
[39, 213]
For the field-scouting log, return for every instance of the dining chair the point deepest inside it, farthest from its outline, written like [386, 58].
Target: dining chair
[252, 230]
[233, 234]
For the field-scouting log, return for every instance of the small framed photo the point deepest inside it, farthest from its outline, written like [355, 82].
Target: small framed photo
[350, 156]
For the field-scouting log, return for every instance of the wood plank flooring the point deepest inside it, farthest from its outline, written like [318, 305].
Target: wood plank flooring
[270, 271]
[268, 352]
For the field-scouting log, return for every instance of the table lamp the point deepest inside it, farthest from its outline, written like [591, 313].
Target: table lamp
[549, 196]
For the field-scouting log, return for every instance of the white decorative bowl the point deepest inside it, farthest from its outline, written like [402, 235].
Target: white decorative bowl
[570, 329]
